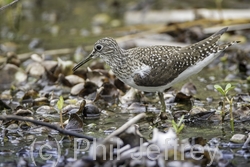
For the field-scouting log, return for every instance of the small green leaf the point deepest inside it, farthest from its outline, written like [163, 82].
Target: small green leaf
[217, 86]
[173, 122]
[219, 89]
[228, 86]
[180, 121]
[60, 103]
[180, 128]
[174, 125]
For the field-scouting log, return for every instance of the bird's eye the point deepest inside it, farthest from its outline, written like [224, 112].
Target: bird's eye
[98, 47]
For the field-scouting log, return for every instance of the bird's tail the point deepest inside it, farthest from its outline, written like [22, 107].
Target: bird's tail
[226, 45]
[217, 36]
[211, 43]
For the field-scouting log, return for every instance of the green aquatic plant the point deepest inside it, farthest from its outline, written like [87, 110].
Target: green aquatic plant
[178, 127]
[59, 105]
[224, 93]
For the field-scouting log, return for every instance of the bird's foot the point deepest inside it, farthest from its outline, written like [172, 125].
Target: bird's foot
[163, 115]
[166, 115]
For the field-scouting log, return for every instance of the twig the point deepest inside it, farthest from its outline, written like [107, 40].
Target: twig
[65, 132]
[8, 5]
[125, 126]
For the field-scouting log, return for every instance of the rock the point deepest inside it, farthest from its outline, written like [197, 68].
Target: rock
[75, 90]
[238, 138]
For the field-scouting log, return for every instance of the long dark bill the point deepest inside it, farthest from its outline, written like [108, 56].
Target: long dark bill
[82, 62]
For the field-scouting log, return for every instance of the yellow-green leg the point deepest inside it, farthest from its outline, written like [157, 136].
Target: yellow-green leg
[163, 106]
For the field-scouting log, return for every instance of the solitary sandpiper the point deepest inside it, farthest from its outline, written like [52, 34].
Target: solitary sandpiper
[157, 68]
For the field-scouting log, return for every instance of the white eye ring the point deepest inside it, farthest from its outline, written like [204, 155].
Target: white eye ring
[98, 47]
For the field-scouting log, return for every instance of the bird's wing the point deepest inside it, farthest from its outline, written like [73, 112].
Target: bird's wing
[163, 67]
[167, 62]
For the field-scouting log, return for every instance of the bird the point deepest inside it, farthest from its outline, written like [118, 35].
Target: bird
[157, 68]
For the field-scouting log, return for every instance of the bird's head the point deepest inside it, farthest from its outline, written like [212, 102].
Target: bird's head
[104, 48]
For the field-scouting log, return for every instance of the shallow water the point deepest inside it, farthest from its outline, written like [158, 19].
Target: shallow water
[62, 24]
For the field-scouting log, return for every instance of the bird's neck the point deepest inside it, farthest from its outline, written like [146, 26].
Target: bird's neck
[120, 63]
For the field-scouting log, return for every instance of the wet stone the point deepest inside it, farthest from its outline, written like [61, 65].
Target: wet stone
[243, 97]
[230, 77]
[7, 79]
[90, 111]
[247, 155]
[234, 145]
[23, 112]
[197, 109]
[3, 105]
[110, 130]
[210, 87]
[89, 88]
[209, 99]
[70, 109]
[49, 65]
[35, 69]
[242, 152]
[224, 162]
[74, 79]
[12, 127]
[238, 138]
[189, 89]
[46, 110]
[41, 101]
[75, 123]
